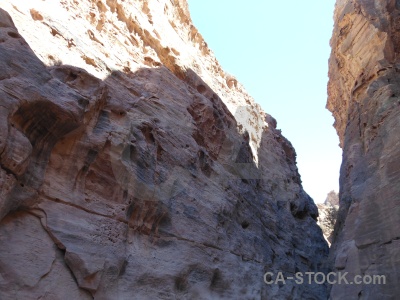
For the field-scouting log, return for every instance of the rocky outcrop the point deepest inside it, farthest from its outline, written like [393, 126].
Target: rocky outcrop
[332, 199]
[327, 214]
[364, 97]
[131, 167]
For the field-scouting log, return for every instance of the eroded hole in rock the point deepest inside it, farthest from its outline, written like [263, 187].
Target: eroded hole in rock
[245, 224]
[13, 34]
[71, 76]
[201, 88]
[43, 119]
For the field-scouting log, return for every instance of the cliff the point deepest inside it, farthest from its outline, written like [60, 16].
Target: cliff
[364, 97]
[132, 166]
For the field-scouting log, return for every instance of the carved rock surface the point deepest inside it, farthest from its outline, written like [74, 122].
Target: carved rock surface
[364, 97]
[131, 170]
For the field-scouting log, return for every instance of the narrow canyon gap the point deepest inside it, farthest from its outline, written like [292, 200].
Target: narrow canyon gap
[133, 166]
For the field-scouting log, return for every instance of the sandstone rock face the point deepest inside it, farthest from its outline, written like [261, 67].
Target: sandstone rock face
[332, 199]
[131, 168]
[327, 214]
[364, 97]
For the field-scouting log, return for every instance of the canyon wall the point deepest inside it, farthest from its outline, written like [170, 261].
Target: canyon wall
[134, 167]
[364, 97]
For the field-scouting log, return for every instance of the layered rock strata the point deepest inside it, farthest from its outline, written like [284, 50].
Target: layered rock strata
[364, 97]
[133, 167]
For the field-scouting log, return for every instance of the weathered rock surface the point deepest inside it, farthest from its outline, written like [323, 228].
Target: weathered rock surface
[131, 168]
[327, 214]
[364, 97]
[332, 199]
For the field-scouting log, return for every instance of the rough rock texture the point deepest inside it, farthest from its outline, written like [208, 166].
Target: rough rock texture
[364, 97]
[131, 168]
[332, 198]
[327, 215]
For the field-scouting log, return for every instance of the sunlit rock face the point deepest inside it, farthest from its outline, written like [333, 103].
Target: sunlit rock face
[133, 167]
[327, 215]
[364, 97]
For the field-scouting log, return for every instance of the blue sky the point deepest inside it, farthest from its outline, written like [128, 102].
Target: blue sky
[279, 51]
